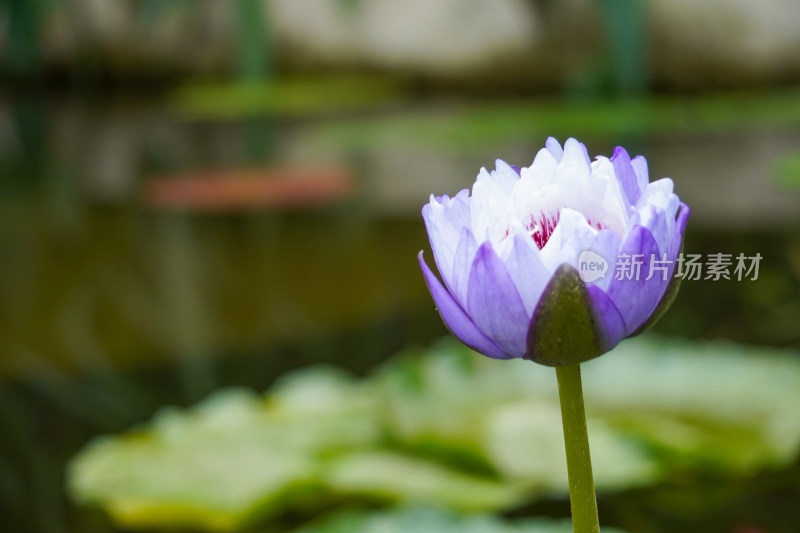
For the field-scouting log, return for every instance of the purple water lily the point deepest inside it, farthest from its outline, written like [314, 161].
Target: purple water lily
[514, 254]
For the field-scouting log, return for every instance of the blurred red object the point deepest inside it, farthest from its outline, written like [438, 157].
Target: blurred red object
[249, 189]
[748, 529]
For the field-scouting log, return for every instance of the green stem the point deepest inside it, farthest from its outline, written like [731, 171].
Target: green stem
[579, 463]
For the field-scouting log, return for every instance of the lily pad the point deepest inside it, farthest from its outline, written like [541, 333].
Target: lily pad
[715, 407]
[447, 427]
[429, 520]
[400, 478]
[231, 459]
[525, 441]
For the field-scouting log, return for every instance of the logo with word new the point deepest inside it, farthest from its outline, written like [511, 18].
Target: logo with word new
[591, 266]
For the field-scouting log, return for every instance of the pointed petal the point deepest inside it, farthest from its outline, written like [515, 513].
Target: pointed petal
[655, 220]
[659, 193]
[656, 210]
[636, 297]
[575, 152]
[541, 170]
[626, 174]
[505, 174]
[639, 164]
[444, 219]
[454, 317]
[462, 266]
[527, 271]
[671, 290]
[606, 244]
[680, 227]
[494, 303]
[608, 320]
[554, 147]
[490, 193]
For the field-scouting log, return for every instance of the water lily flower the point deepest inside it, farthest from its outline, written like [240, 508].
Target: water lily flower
[557, 262]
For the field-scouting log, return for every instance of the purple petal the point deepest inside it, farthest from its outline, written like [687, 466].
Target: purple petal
[674, 247]
[639, 164]
[675, 244]
[635, 298]
[527, 271]
[444, 224]
[626, 175]
[606, 244]
[462, 266]
[680, 227]
[454, 317]
[670, 290]
[609, 323]
[494, 303]
[554, 147]
[657, 225]
[517, 169]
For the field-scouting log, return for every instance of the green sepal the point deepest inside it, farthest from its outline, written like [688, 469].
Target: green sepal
[563, 330]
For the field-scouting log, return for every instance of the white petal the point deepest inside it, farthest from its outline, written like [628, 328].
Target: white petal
[658, 194]
[445, 218]
[575, 151]
[606, 244]
[491, 197]
[554, 147]
[639, 165]
[505, 176]
[527, 271]
[541, 171]
[462, 265]
[572, 236]
[613, 206]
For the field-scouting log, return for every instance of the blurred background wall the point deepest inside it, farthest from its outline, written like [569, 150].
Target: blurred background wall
[676, 44]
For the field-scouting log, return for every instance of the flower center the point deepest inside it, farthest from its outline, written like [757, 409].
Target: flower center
[541, 228]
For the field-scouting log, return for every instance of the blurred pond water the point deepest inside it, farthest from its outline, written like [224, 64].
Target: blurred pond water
[113, 305]
[92, 272]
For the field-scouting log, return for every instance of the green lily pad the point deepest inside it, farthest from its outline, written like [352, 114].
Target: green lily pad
[400, 478]
[713, 407]
[429, 520]
[447, 427]
[145, 482]
[721, 406]
[525, 441]
[229, 460]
